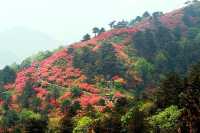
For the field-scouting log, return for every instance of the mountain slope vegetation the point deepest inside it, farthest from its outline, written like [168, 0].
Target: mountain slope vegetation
[139, 76]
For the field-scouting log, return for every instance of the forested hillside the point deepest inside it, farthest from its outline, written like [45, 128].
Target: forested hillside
[139, 76]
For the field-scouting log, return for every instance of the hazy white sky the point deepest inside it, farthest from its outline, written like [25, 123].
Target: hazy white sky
[64, 21]
[68, 20]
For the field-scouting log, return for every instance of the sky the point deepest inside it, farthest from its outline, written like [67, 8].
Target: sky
[63, 21]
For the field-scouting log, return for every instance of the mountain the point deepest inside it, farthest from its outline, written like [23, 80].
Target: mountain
[140, 76]
[16, 39]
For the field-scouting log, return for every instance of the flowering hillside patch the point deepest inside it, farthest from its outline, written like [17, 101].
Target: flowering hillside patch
[86, 100]
[54, 77]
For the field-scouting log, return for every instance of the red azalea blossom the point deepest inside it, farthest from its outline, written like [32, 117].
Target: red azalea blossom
[88, 87]
[86, 100]
[40, 92]
[54, 103]
[20, 81]
[118, 94]
[110, 104]
[66, 95]
[1, 102]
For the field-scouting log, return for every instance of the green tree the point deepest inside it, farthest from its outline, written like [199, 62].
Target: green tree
[26, 63]
[83, 125]
[86, 37]
[167, 119]
[169, 90]
[65, 104]
[85, 59]
[7, 75]
[25, 99]
[145, 70]
[111, 24]
[101, 30]
[32, 122]
[108, 64]
[189, 100]
[76, 92]
[9, 119]
[95, 30]
[41, 55]
[36, 126]
[121, 24]
[146, 14]
[133, 120]
[145, 44]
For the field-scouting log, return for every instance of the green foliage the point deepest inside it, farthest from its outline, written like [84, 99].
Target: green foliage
[146, 14]
[111, 24]
[10, 118]
[85, 59]
[133, 120]
[157, 14]
[169, 90]
[101, 30]
[166, 119]
[5, 95]
[95, 30]
[161, 59]
[145, 43]
[60, 62]
[36, 126]
[197, 38]
[166, 50]
[35, 58]
[121, 24]
[183, 93]
[108, 64]
[137, 20]
[192, 32]
[70, 50]
[127, 117]
[104, 62]
[118, 38]
[26, 63]
[25, 99]
[7, 75]
[83, 125]
[36, 102]
[54, 125]
[189, 99]
[192, 11]
[55, 90]
[76, 92]
[145, 69]
[108, 122]
[32, 122]
[26, 115]
[86, 37]
[153, 53]
[74, 108]
[65, 104]
[41, 56]
[118, 86]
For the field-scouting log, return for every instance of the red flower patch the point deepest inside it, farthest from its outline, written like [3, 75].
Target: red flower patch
[66, 96]
[86, 100]
[89, 88]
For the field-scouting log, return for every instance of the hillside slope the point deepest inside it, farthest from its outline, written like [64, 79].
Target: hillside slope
[114, 67]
